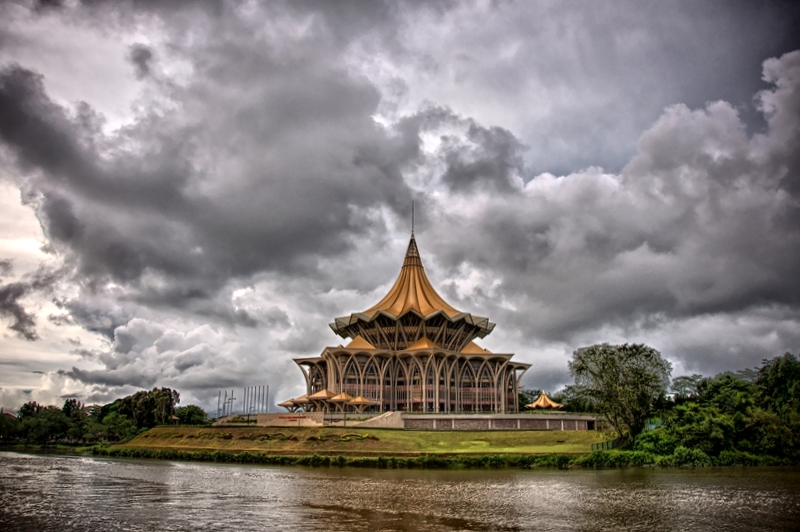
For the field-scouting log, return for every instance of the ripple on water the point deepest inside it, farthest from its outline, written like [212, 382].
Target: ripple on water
[45, 492]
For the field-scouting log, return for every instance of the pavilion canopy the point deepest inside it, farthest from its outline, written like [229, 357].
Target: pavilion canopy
[322, 395]
[343, 397]
[543, 402]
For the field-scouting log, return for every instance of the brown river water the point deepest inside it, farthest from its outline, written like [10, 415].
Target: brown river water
[62, 493]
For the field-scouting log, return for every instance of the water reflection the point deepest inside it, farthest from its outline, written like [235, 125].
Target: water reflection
[66, 493]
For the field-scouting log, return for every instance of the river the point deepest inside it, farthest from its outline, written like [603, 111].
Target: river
[64, 493]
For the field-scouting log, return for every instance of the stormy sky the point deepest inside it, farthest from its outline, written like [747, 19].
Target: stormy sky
[191, 191]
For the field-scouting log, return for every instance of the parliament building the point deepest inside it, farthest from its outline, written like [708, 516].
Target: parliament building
[411, 352]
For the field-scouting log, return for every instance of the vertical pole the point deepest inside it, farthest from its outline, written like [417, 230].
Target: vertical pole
[219, 396]
[267, 402]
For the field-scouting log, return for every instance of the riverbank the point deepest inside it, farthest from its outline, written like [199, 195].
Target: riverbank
[395, 449]
[335, 441]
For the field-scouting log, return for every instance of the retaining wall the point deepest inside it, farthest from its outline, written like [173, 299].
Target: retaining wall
[497, 422]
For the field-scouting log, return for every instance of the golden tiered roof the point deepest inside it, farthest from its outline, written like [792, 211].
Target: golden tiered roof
[412, 291]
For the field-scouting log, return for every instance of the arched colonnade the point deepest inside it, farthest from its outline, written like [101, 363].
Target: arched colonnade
[430, 380]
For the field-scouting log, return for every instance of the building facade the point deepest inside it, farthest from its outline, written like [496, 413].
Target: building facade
[411, 352]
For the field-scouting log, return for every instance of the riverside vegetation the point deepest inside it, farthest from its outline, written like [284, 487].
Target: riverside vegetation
[749, 417]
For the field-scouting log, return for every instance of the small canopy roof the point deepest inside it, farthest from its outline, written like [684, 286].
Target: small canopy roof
[543, 402]
[343, 397]
[360, 400]
[474, 349]
[322, 395]
[422, 343]
[288, 403]
[303, 399]
[359, 343]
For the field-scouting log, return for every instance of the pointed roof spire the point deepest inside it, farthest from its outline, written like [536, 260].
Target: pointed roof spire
[412, 290]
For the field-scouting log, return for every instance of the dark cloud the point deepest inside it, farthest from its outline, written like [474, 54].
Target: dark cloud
[493, 159]
[113, 378]
[60, 319]
[141, 56]
[258, 185]
[22, 321]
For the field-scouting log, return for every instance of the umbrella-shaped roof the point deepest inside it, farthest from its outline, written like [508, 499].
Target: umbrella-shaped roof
[544, 402]
[343, 397]
[288, 403]
[303, 399]
[322, 395]
[412, 290]
[360, 400]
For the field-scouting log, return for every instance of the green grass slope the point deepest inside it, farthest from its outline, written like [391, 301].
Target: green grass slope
[355, 442]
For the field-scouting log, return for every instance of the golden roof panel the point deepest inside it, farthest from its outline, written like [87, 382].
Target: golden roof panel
[361, 400]
[322, 395]
[412, 291]
[474, 349]
[544, 402]
[422, 343]
[359, 343]
[341, 398]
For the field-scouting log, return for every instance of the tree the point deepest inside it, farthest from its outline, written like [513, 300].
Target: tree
[46, 425]
[685, 386]
[778, 381]
[118, 427]
[191, 415]
[574, 399]
[623, 382]
[9, 426]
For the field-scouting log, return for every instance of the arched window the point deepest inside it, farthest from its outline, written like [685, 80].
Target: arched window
[316, 378]
[415, 387]
[351, 378]
[370, 386]
[486, 390]
[468, 389]
[430, 386]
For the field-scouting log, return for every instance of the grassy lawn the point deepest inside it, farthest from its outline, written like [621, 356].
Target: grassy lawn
[352, 442]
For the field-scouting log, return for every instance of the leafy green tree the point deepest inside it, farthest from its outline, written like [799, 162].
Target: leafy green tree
[9, 427]
[574, 399]
[685, 386]
[622, 381]
[191, 415]
[778, 381]
[47, 425]
[29, 409]
[147, 409]
[119, 427]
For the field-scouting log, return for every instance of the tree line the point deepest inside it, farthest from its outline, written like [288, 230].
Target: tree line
[75, 423]
[747, 416]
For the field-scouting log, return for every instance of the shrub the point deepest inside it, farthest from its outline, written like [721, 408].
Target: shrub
[690, 457]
